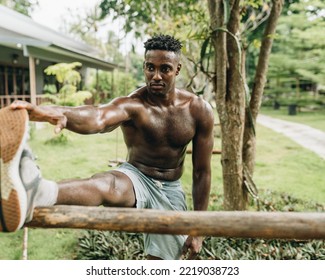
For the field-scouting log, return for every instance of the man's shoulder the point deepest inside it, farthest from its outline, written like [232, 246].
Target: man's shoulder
[187, 96]
[200, 109]
[133, 98]
[196, 101]
[138, 93]
[185, 92]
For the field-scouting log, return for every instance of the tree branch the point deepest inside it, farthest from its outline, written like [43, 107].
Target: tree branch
[263, 60]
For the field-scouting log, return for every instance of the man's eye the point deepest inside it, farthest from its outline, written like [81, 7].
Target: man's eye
[150, 68]
[165, 69]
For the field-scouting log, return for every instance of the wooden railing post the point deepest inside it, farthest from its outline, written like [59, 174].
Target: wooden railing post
[268, 225]
[32, 80]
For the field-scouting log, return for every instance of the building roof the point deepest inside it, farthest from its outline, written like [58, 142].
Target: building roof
[19, 31]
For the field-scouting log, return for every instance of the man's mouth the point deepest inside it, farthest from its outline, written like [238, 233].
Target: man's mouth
[156, 86]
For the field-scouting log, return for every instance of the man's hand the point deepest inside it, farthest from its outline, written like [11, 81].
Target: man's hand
[192, 247]
[42, 114]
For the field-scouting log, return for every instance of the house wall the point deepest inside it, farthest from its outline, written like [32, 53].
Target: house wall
[6, 56]
[14, 76]
[6, 59]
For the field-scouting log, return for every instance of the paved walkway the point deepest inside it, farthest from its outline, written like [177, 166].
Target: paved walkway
[304, 135]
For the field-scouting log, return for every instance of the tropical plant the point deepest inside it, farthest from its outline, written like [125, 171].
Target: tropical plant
[68, 78]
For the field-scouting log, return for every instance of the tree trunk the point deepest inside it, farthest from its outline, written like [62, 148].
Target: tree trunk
[238, 138]
[249, 147]
[233, 127]
[230, 102]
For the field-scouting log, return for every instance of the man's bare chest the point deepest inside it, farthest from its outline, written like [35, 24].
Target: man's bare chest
[172, 128]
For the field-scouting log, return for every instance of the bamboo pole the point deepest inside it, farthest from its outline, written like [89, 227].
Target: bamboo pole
[268, 225]
[25, 244]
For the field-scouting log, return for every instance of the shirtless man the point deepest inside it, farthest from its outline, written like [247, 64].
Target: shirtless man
[158, 122]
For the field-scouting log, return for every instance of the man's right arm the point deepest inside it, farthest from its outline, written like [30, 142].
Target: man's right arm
[83, 119]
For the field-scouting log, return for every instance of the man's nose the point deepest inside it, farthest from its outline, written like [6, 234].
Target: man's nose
[157, 76]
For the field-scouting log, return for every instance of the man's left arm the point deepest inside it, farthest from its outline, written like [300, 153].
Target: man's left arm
[201, 160]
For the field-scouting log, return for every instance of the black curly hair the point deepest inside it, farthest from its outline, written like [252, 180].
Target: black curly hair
[163, 42]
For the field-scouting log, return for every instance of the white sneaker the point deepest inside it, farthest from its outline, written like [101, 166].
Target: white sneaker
[31, 177]
[13, 198]
[22, 187]
[40, 192]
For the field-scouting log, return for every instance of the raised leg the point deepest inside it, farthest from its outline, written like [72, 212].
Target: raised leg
[22, 187]
[110, 188]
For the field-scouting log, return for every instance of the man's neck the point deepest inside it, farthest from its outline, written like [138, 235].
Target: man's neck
[162, 99]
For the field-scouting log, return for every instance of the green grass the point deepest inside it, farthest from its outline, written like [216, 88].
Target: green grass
[281, 165]
[43, 244]
[284, 166]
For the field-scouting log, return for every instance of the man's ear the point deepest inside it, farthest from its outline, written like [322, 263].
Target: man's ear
[179, 67]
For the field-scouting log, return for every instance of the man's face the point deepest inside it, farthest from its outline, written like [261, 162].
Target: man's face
[160, 70]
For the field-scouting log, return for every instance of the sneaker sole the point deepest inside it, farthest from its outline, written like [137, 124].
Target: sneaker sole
[13, 198]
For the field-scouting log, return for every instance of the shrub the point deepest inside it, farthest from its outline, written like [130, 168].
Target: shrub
[60, 139]
[260, 249]
[104, 245]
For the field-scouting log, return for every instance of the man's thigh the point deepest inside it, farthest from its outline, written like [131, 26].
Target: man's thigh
[109, 188]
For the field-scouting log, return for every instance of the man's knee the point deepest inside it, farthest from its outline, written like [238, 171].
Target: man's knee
[115, 190]
[104, 183]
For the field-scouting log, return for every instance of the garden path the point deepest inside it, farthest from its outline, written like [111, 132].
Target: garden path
[306, 136]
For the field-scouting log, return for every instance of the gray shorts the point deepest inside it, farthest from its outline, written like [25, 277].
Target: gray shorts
[163, 195]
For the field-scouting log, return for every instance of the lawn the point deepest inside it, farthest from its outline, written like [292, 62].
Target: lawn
[281, 165]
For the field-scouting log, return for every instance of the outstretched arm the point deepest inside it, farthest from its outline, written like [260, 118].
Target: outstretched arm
[201, 160]
[83, 119]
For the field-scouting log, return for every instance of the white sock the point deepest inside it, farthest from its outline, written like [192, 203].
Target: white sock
[47, 193]
[40, 192]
